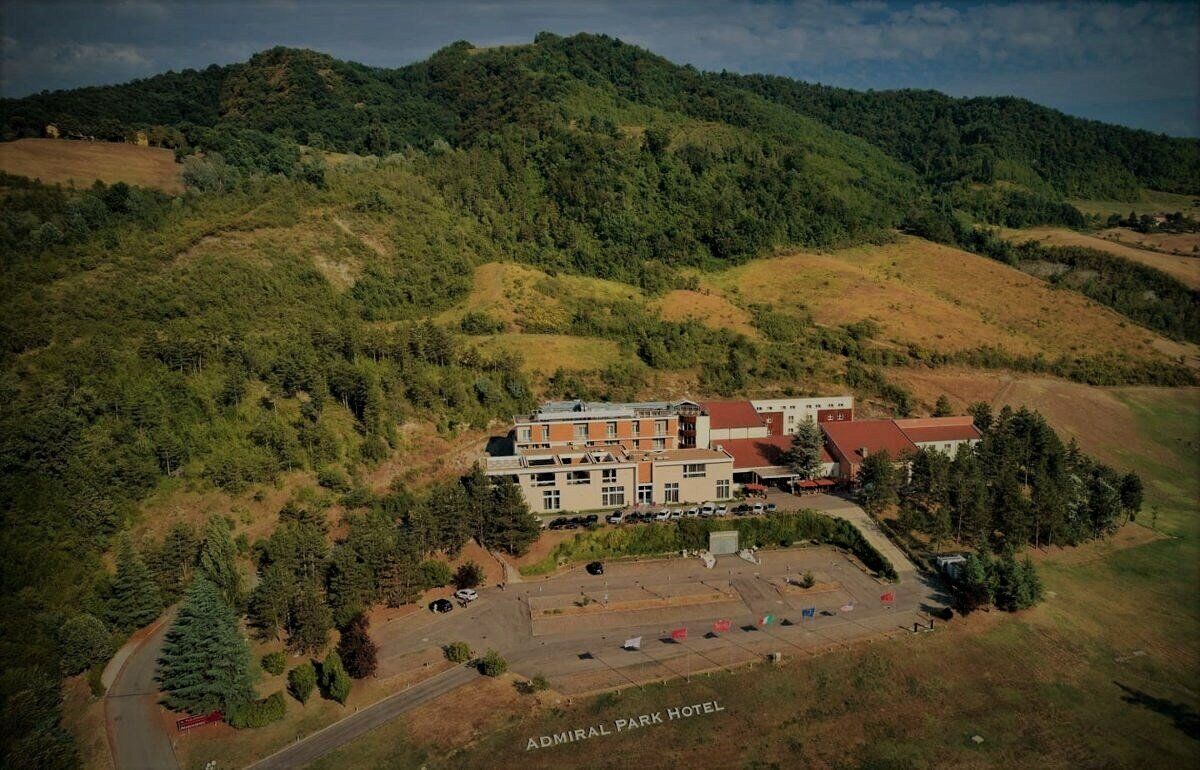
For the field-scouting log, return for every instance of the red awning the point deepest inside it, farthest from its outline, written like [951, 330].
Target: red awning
[806, 484]
[755, 487]
[826, 482]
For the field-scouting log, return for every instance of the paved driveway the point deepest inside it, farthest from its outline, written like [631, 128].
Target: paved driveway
[845, 508]
[135, 720]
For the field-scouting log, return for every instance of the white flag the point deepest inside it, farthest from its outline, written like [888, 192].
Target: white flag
[633, 644]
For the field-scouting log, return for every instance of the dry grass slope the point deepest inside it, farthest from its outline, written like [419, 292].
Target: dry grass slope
[1184, 268]
[62, 161]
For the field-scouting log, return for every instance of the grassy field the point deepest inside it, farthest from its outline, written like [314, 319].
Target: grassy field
[709, 309]
[62, 161]
[1150, 202]
[941, 298]
[544, 353]
[1104, 673]
[1182, 267]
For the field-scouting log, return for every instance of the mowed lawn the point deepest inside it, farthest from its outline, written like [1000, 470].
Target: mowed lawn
[1184, 268]
[1104, 673]
[942, 298]
[63, 161]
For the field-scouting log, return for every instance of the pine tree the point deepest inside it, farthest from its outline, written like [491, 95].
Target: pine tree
[173, 562]
[335, 682]
[218, 561]
[205, 663]
[356, 649]
[135, 600]
[878, 482]
[83, 641]
[309, 622]
[942, 408]
[270, 602]
[804, 456]
[509, 524]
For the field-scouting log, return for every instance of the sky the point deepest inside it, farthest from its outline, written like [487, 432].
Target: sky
[1137, 64]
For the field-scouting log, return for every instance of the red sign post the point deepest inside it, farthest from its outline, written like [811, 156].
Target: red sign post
[722, 626]
[679, 635]
[888, 598]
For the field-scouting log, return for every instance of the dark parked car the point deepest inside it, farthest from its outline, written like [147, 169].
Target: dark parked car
[440, 606]
[591, 518]
[771, 507]
[595, 568]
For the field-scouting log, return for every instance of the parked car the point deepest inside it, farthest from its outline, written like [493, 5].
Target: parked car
[677, 513]
[692, 513]
[466, 595]
[771, 507]
[741, 509]
[440, 606]
[708, 509]
[722, 509]
[662, 515]
[759, 507]
[595, 568]
[616, 518]
[591, 518]
[559, 523]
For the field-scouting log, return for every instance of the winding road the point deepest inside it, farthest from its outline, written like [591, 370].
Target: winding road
[136, 732]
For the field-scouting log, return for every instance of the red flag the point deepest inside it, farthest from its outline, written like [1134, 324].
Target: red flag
[888, 598]
[721, 626]
[679, 634]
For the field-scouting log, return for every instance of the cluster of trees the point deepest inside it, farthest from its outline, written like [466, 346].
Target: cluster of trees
[1177, 222]
[1020, 485]
[1010, 585]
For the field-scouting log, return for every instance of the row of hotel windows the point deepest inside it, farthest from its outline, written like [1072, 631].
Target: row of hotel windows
[609, 475]
[613, 496]
[525, 434]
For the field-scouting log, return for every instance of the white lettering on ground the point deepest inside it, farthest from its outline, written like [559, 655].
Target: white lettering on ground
[622, 725]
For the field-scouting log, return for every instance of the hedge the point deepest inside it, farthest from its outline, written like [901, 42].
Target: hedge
[774, 529]
[258, 713]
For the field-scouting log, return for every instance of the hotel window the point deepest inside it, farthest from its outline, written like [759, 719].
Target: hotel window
[645, 494]
[551, 500]
[525, 435]
[671, 492]
[543, 479]
[693, 471]
[579, 477]
[608, 475]
[581, 430]
[660, 427]
[545, 433]
[660, 443]
[636, 425]
[611, 429]
[612, 496]
[723, 489]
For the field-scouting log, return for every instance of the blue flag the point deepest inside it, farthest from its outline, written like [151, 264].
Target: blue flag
[810, 612]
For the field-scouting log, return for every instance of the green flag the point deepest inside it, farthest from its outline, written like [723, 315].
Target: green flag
[767, 620]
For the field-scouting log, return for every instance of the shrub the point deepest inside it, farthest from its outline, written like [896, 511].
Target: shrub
[468, 575]
[258, 713]
[301, 681]
[457, 652]
[807, 580]
[492, 664]
[274, 662]
[435, 574]
[539, 683]
[83, 641]
[335, 682]
[333, 478]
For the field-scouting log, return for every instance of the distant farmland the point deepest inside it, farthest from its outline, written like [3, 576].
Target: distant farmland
[80, 163]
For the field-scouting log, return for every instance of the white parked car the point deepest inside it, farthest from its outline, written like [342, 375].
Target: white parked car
[722, 509]
[676, 514]
[759, 507]
[692, 513]
[708, 509]
[616, 518]
[466, 595]
[662, 515]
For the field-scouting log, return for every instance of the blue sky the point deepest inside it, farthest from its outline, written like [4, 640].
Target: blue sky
[1132, 63]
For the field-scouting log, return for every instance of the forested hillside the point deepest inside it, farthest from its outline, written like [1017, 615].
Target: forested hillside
[287, 311]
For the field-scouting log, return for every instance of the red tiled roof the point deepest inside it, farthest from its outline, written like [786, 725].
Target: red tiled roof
[875, 435]
[731, 414]
[927, 429]
[761, 452]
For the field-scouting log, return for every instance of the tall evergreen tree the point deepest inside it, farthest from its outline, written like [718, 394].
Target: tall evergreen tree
[510, 525]
[218, 561]
[205, 663]
[271, 600]
[134, 600]
[356, 648]
[173, 563]
[878, 482]
[309, 621]
[804, 455]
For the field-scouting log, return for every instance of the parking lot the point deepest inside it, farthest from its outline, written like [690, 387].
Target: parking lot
[572, 627]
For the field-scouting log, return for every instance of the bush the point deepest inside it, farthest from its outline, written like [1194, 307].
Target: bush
[83, 641]
[457, 652]
[807, 580]
[357, 650]
[539, 683]
[301, 681]
[333, 478]
[468, 575]
[492, 664]
[274, 663]
[258, 713]
[335, 682]
[435, 574]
